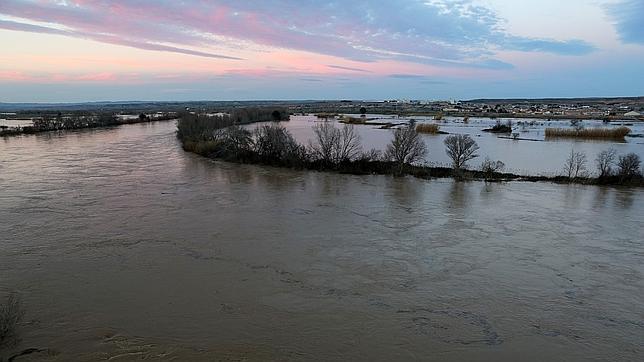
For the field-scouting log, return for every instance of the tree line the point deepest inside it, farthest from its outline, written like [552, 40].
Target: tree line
[339, 148]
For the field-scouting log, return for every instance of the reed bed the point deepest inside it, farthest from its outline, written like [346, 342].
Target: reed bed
[326, 115]
[591, 133]
[353, 120]
[430, 128]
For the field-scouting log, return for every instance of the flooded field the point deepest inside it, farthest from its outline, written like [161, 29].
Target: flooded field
[121, 246]
[532, 156]
[14, 123]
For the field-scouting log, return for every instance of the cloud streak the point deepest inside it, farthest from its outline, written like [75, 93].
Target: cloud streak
[628, 17]
[437, 32]
[351, 69]
[110, 39]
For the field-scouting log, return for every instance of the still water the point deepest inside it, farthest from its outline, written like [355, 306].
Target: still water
[531, 155]
[122, 246]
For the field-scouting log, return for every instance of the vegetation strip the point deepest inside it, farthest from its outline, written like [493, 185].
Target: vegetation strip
[339, 150]
[58, 122]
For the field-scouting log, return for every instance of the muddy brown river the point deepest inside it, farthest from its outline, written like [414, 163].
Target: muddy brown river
[121, 246]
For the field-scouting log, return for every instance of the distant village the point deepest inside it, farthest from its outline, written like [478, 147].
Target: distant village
[603, 109]
[606, 109]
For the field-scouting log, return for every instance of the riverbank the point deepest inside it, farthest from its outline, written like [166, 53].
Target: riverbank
[75, 122]
[370, 167]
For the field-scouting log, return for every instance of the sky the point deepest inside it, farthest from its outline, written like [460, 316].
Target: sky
[99, 50]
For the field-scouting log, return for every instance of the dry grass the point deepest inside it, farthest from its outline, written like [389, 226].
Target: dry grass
[428, 128]
[594, 133]
[353, 120]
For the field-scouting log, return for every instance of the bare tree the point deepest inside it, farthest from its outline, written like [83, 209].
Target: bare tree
[273, 143]
[326, 138]
[461, 149]
[333, 145]
[577, 124]
[349, 145]
[629, 165]
[237, 140]
[575, 165]
[406, 147]
[605, 161]
[489, 167]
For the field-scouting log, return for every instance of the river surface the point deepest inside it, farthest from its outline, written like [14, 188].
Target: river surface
[121, 246]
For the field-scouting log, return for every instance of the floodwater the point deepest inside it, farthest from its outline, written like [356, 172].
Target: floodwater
[121, 246]
[13, 123]
[534, 155]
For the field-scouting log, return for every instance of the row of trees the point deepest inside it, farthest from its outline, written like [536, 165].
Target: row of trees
[607, 163]
[49, 123]
[59, 122]
[331, 147]
[340, 148]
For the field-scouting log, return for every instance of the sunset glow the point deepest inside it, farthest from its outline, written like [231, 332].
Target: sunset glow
[86, 50]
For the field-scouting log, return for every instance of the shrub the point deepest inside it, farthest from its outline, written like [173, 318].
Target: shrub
[406, 147]
[274, 144]
[237, 142]
[500, 128]
[490, 167]
[430, 128]
[605, 161]
[629, 165]
[192, 127]
[370, 156]
[460, 149]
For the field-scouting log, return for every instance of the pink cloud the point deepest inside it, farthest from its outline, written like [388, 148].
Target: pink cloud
[97, 77]
[13, 76]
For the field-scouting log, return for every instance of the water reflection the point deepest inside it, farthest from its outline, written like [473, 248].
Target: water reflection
[458, 196]
[406, 191]
[625, 198]
[601, 196]
[573, 195]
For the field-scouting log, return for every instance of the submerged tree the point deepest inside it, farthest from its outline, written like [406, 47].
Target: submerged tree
[274, 144]
[605, 161]
[575, 165]
[407, 147]
[460, 149]
[490, 167]
[629, 165]
[333, 145]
